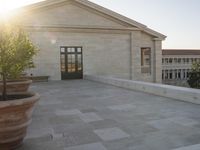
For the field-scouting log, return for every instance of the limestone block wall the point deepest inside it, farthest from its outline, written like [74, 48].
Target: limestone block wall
[147, 41]
[106, 53]
[103, 53]
[141, 40]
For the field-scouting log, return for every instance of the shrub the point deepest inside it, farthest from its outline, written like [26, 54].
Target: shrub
[194, 76]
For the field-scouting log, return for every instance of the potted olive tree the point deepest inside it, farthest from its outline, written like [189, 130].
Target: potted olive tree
[16, 52]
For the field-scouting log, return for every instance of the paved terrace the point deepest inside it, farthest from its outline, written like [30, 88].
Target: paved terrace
[85, 115]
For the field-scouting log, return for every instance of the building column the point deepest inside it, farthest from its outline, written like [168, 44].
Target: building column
[173, 74]
[157, 74]
[163, 71]
[135, 55]
[181, 74]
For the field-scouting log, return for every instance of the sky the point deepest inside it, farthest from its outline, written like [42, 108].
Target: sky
[179, 20]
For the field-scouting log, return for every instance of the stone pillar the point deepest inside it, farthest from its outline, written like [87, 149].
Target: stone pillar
[173, 74]
[135, 55]
[163, 74]
[157, 65]
[181, 74]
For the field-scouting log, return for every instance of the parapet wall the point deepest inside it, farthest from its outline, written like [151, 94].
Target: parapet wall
[179, 93]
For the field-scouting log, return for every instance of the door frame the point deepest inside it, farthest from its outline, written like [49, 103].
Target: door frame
[65, 75]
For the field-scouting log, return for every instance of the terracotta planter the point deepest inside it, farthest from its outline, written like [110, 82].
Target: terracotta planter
[16, 86]
[15, 116]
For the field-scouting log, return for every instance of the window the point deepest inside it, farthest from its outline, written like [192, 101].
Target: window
[184, 60]
[187, 74]
[184, 74]
[62, 50]
[166, 60]
[170, 60]
[179, 74]
[175, 60]
[166, 74]
[176, 73]
[187, 60]
[170, 74]
[146, 60]
[179, 60]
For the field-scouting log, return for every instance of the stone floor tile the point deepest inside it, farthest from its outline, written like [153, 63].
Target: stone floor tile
[40, 132]
[184, 121]
[110, 134]
[92, 146]
[192, 147]
[44, 103]
[69, 119]
[124, 107]
[88, 110]
[124, 143]
[63, 128]
[106, 123]
[162, 123]
[67, 112]
[141, 147]
[90, 117]
[79, 137]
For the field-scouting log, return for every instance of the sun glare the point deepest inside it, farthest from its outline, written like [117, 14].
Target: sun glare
[6, 6]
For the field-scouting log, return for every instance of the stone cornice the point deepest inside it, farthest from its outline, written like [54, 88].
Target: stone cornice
[158, 39]
[80, 28]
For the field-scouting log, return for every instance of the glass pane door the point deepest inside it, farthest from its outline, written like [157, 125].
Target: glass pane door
[71, 63]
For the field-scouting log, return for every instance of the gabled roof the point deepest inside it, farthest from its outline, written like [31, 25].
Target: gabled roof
[101, 9]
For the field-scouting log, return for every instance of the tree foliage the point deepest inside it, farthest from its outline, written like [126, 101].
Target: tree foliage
[16, 51]
[194, 76]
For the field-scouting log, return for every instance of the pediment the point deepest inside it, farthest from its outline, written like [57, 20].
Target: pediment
[79, 13]
[71, 14]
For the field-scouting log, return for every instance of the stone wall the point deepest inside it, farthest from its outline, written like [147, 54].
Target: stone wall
[103, 53]
[176, 82]
[179, 93]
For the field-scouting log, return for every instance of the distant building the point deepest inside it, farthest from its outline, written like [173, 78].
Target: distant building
[176, 65]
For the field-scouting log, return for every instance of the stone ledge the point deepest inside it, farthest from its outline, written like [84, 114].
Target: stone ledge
[38, 78]
[179, 93]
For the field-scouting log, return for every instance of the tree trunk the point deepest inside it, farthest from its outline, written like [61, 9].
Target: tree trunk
[4, 93]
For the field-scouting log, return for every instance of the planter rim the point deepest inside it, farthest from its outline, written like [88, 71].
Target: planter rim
[22, 81]
[9, 103]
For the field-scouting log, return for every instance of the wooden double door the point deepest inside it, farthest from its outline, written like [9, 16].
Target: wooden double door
[71, 63]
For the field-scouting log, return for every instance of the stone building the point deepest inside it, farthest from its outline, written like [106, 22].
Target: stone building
[177, 65]
[78, 37]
